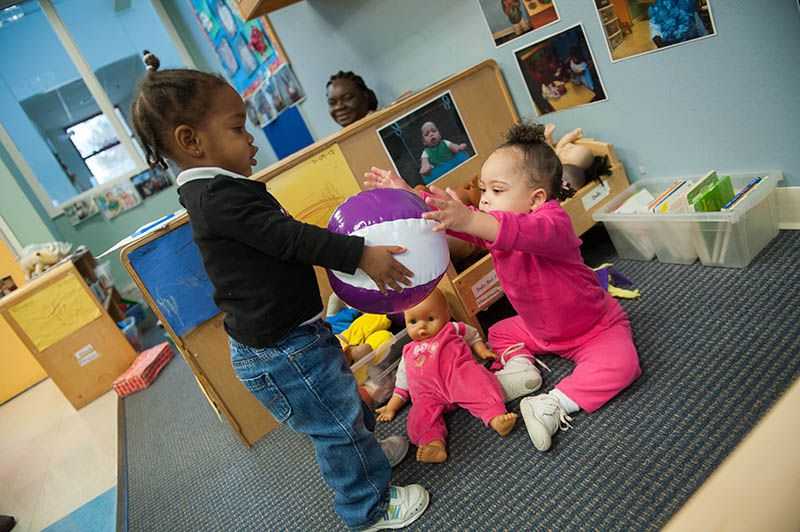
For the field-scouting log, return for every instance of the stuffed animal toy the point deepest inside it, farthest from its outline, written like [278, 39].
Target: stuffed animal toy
[578, 162]
[37, 258]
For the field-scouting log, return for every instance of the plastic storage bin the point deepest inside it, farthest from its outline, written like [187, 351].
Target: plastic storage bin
[726, 238]
[376, 371]
[128, 326]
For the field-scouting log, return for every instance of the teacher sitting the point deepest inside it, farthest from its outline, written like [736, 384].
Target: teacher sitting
[349, 98]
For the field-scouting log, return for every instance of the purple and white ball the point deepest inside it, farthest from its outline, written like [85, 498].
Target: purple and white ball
[389, 217]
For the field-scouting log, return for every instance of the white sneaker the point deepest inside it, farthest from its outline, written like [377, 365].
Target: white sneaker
[543, 417]
[519, 380]
[395, 448]
[406, 505]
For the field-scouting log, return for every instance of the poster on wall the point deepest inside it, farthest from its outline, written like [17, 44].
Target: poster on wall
[509, 19]
[151, 182]
[281, 91]
[560, 71]
[252, 59]
[79, 210]
[632, 28]
[7, 285]
[428, 142]
[116, 199]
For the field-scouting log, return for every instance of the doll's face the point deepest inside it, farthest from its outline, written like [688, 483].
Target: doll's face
[430, 134]
[428, 317]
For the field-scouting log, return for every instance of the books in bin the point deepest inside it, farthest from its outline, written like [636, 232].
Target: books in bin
[144, 369]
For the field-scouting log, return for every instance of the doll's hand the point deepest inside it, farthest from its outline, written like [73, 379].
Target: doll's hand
[385, 413]
[378, 178]
[450, 213]
[379, 263]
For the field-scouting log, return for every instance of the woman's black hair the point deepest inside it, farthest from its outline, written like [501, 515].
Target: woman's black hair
[164, 100]
[539, 161]
[358, 81]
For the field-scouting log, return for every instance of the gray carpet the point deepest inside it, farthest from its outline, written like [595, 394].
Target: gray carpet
[717, 346]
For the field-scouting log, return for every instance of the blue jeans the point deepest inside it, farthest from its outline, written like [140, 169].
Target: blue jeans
[304, 381]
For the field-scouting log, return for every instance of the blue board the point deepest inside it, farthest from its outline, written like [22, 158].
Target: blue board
[288, 133]
[171, 269]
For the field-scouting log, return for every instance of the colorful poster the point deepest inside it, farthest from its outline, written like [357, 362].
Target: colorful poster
[333, 182]
[250, 58]
[79, 210]
[55, 312]
[116, 199]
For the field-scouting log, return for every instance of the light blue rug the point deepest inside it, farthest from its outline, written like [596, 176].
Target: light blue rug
[97, 515]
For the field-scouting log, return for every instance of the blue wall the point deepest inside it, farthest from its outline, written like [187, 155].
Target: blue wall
[728, 102]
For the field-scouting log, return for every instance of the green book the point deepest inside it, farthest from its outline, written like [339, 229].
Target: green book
[714, 196]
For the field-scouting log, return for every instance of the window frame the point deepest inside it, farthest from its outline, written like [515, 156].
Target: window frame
[103, 101]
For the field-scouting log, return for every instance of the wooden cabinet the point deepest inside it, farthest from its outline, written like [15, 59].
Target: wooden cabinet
[69, 331]
[250, 9]
[611, 23]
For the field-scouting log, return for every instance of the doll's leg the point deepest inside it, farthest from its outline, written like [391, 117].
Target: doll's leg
[475, 389]
[604, 366]
[427, 430]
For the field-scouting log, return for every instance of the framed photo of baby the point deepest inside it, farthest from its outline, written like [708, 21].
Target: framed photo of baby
[428, 142]
[509, 19]
[634, 28]
[560, 71]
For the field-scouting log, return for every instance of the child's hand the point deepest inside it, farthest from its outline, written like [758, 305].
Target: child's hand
[450, 213]
[378, 262]
[425, 168]
[462, 147]
[486, 354]
[378, 178]
[385, 413]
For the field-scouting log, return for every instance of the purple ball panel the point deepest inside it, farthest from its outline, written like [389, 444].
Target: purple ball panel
[372, 207]
[373, 302]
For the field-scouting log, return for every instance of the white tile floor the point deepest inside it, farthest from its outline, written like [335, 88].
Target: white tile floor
[53, 459]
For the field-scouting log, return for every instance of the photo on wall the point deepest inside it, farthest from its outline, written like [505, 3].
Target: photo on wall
[509, 19]
[428, 142]
[116, 199]
[150, 182]
[634, 28]
[79, 210]
[560, 71]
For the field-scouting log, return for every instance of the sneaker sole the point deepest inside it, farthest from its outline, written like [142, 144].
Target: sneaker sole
[527, 388]
[395, 526]
[401, 457]
[538, 433]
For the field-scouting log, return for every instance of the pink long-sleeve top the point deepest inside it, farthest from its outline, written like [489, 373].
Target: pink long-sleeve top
[538, 262]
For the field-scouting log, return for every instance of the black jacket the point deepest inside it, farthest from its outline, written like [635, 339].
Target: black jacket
[258, 257]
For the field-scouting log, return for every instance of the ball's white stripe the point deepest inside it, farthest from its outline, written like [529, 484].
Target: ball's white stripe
[427, 255]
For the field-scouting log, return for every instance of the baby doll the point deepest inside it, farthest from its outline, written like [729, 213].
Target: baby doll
[437, 150]
[578, 162]
[438, 373]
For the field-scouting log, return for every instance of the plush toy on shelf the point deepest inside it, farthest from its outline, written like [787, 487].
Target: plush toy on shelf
[579, 163]
[37, 258]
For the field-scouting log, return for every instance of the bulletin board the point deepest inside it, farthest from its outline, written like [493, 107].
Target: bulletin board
[309, 184]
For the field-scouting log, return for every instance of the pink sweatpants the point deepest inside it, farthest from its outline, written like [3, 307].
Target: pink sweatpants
[606, 361]
[470, 386]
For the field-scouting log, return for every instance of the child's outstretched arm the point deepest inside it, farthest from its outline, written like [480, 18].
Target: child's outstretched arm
[379, 178]
[451, 214]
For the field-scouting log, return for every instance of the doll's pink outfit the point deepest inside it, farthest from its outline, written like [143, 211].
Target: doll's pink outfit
[561, 307]
[439, 374]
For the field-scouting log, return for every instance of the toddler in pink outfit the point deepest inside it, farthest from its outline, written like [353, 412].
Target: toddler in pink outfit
[438, 373]
[561, 307]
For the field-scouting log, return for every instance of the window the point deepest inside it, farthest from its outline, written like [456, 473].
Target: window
[101, 150]
[65, 100]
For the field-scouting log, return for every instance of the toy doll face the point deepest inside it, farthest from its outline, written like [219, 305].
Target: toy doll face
[427, 318]
[430, 134]
[347, 103]
[504, 185]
